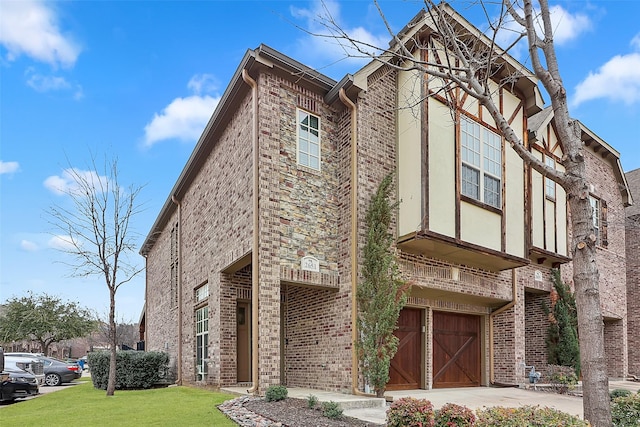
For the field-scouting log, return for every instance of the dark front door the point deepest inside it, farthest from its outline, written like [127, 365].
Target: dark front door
[405, 371]
[243, 320]
[456, 350]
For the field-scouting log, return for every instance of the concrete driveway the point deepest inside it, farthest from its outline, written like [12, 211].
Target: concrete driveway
[479, 397]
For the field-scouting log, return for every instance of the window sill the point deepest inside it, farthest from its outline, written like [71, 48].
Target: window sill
[480, 204]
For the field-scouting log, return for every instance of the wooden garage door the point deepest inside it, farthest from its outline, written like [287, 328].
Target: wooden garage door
[405, 371]
[456, 350]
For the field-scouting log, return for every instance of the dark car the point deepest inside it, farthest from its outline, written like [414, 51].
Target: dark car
[19, 384]
[57, 372]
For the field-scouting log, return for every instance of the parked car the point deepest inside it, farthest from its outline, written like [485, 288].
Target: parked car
[17, 384]
[30, 364]
[56, 371]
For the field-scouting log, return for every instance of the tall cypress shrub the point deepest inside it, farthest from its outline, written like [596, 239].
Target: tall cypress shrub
[381, 294]
[563, 347]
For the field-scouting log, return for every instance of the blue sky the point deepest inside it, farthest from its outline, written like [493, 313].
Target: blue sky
[138, 80]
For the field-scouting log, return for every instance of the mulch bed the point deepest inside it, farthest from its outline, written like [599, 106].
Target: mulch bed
[253, 411]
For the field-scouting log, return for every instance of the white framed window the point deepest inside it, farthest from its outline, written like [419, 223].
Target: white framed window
[202, 293]
[308, 130]
[481, 174]
[202, 343]
[595, 216]
[549, 184]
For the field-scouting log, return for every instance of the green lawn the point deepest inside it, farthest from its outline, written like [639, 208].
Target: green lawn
[82, 405]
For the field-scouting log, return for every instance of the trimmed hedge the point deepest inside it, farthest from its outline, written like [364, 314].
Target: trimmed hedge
[134, 369]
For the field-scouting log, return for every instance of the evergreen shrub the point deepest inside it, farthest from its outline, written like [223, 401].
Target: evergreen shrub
[275, 393]
[134, 369]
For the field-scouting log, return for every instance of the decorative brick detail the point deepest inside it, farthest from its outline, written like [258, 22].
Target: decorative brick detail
[312, 278]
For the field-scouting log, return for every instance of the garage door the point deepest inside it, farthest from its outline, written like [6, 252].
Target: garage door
[405, 371]
[456, 350]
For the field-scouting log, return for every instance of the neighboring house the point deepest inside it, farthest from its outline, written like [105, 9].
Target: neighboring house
[253, 261]
[633, 273]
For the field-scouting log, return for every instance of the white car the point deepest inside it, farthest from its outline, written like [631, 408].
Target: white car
[29, 364]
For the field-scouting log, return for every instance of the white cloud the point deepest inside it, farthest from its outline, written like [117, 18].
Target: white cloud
[42, 83]
[635, 42]
[8, 167]
[61, 243]
[28, 245]
[617, 80]
[47, 83]
[30, 27]
[184, 118]
[324, 41]
[68, 182]
[566, 27]
[202, 83]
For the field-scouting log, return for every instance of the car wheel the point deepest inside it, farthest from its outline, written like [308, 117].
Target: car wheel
[52, 379]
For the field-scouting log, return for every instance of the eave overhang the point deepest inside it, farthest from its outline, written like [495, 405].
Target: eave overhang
[453, 250]
[537, 126]
[547, 258]
[523, 79]
[253, 60]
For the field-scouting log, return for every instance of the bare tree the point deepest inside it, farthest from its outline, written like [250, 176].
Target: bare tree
[463, 59]
[96, 233]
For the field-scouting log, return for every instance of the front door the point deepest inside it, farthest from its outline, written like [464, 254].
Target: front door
[405, 370]
[456, 350]
[243, 321]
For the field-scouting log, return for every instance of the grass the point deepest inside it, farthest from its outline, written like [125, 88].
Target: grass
[83, 405]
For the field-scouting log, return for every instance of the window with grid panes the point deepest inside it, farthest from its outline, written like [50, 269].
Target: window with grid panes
[308, 140]
[202, 342]
[549, 184]
[595, 216]
[481, 155]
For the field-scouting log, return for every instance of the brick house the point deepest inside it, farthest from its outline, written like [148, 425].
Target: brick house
[633, 273]
[253, 260]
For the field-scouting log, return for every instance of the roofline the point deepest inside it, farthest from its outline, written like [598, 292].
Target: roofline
[422, 20]
[262, 56]
[627, 199]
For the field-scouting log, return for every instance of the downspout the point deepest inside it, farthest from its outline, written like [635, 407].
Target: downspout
[255, 282]
[179, 285]
[354, 239]
[507, 306]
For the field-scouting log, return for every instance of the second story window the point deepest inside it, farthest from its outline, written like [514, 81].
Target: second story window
[549, 184]
[308, 140]
[481, 173]
[595, 216]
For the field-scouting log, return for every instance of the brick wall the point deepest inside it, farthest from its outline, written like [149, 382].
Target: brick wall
[161, 316]
[633, 291]
[215, 221]
[536, 325]
[611, 261]
[633, 272]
